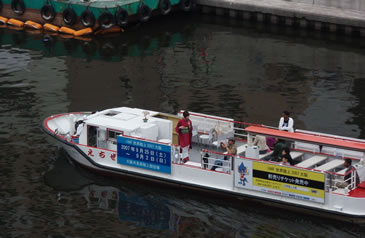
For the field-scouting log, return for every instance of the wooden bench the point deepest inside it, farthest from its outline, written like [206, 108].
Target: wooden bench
[312, 161]
[330, 165]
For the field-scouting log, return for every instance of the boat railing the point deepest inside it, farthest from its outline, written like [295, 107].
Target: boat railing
[221, 125]
[337, 183]
[221, 161]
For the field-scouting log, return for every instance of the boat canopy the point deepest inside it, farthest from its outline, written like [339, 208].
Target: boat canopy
[311, 138]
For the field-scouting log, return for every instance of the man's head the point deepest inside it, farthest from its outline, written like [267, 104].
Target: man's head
[286, 114]
[231, 140]
[347, 163]
[186, 114]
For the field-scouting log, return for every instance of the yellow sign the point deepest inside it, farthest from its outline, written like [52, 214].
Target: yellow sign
[292, 182]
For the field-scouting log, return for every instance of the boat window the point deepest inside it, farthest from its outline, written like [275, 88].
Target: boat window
[91, 136]
[112, 135]
[111, 113]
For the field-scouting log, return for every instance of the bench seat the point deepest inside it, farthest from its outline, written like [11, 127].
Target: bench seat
[331, 165]
[296, 154]
[312, 161]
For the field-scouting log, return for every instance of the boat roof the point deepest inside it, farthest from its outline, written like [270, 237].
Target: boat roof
[316, 139]
[122, 118]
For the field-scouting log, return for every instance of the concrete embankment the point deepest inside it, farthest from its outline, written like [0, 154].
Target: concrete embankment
[346, 16]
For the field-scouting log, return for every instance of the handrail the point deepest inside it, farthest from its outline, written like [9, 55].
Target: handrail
[221, 119]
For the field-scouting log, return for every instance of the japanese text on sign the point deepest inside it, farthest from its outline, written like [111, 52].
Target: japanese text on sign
[143, 154]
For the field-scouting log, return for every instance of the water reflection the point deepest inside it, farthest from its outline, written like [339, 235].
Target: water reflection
[162, 210]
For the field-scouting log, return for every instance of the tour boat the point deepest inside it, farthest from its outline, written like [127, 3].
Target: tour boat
[144, 144]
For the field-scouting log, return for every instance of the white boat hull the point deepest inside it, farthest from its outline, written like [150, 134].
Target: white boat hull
[193, 176]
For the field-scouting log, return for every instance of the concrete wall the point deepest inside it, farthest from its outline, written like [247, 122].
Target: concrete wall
[338, 14]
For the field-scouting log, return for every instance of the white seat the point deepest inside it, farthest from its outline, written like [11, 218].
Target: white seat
[241, 149]
[296, 154]
[267, 154]
[312, 161]
[204, 138]
[306, 146]
[331, 165]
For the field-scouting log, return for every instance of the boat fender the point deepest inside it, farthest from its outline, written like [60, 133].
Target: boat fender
[106, 20]
[164, 6]
[50, 27]
[87, 18]
[186, 5]
[69, 16]
[33, 25]
[83, 32]
[18, 6]
[4, 20]
[1, 5]
[48, 13]
[144, 12]
[15, 22]
[113, 29]
[66, 30]
[121, 17]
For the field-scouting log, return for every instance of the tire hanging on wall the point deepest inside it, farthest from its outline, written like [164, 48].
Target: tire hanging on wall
[48, 13]
[186, 5]
[106, 20]
[18, 6]
[164, 6]
[69, 16]
[144, 12]
[87, 18]
[121, 17]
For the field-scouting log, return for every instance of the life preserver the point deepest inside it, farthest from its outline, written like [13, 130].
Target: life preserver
[48, 13]
[18, 6]
[69, 16]
[186, 5]
[121, 17]
[144, 12]
[87, 18]
[106, 20]
[164, 6]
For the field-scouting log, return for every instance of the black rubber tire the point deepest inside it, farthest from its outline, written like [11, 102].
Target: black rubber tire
[144, 12]
[164, 6]
[69, 16]
[106, 20]
[87, 18]
[18, 6]
[186, 5]
[121, 17]
[48, 13]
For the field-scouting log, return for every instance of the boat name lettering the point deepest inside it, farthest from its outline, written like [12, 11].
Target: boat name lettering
[90, 152]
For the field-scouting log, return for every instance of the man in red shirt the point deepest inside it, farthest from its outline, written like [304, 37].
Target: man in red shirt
[185, 130]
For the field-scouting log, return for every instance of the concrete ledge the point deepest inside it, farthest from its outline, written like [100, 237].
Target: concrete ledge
[299, 10]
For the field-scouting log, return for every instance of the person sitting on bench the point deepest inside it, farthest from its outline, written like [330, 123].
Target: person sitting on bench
[230, 149]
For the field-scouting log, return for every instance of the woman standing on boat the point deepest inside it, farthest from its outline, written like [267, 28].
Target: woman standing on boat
[185, 130]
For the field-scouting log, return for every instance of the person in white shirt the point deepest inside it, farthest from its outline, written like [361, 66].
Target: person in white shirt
[286, 123]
